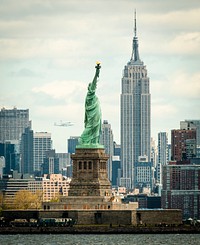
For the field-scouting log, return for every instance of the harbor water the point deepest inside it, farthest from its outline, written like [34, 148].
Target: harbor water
[106, 239]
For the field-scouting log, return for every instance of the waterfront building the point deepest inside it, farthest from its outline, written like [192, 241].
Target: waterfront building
[181, 189]
[42, 143]
[49, 186]
[13, 123]
[144, 201]
[135, 115]
[106, 139]
[10, 186]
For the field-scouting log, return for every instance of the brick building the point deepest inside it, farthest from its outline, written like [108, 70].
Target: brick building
[181, 188]
[181, 144]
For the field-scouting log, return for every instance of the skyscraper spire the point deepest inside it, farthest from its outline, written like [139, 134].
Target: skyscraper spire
[135, 52]
[135, 30]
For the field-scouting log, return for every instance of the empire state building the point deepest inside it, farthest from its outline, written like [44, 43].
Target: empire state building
[135, 114]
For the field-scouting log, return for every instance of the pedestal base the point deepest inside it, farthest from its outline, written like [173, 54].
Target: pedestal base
[90, 177]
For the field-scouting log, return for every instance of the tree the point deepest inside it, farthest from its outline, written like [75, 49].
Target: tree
[56, 198]
[25, 199]
[1, 201]
[38, 199]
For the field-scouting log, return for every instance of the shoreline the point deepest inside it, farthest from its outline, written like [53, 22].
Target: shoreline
[76, 229]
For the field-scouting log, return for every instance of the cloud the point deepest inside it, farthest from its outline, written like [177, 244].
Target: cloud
[71, 91]
[186, 86]
[38, 48]
[185, 43]
[171, 32]
[24, 72]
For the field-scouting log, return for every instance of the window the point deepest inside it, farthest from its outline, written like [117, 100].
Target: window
[90, 165]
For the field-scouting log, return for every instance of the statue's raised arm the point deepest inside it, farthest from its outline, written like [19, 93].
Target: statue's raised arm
[91, 134]
[93, 85]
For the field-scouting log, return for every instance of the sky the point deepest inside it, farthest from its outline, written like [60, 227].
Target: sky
[49, 49]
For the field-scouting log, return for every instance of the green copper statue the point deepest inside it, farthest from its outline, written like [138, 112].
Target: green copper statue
[91, 134]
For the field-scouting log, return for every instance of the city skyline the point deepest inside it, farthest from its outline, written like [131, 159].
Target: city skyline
[49, 50]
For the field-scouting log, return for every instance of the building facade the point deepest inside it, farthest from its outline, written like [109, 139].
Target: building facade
[181, 189]
[13, 123]
[135, 115]
[42, 143]
[27, 160]
[64, 163]
[54, 185]
[9, 187]
[193, 124]
[50, 187]
[180, 142]
[163, 156]
[143, 175]
[10, 151]
[72, 143]
[51, 163]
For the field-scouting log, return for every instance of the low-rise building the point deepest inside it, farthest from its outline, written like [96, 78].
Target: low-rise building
[51, 186]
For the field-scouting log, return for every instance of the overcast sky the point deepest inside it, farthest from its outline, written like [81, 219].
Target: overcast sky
[48, 51]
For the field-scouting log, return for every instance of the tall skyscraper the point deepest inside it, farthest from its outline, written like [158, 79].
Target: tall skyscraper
[135, 114]
[106, 139]
[13, 123]
[27, 152]
[42, 144]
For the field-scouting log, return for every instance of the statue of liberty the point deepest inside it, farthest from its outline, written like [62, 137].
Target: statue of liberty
[91, 134]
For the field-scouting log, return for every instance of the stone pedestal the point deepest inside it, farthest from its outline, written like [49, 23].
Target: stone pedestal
[90, 178]
[90, 188]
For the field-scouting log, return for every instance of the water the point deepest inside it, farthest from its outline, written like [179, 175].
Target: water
[122, 239]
